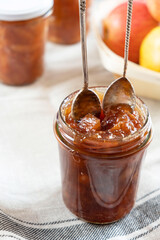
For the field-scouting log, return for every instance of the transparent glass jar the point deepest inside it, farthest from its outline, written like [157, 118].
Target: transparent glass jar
[100, 176]
[64, 23]
[23, 33]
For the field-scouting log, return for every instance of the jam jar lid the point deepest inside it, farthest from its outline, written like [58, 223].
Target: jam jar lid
[19, 10]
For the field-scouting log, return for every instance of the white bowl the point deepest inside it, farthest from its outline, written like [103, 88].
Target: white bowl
[145, 81]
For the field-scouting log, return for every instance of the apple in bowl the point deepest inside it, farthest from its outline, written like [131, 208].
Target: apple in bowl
[154, 8]
[146, 82]
[114, 28]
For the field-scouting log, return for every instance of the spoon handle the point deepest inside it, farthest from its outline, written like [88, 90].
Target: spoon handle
[83, 41]
[128, 30]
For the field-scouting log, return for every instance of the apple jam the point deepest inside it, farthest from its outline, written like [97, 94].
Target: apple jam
[101, 159]
[64, 23]
[22, 46]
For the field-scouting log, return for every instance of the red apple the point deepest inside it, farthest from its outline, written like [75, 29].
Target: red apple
[154, 8]
[114, 28]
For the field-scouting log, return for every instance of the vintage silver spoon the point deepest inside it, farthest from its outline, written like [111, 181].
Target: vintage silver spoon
[86, 101]
[121, 90]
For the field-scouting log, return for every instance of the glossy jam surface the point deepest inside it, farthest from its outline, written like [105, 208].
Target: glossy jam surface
[64, 23]
[100, 171]
[21, 50]
[115, 122]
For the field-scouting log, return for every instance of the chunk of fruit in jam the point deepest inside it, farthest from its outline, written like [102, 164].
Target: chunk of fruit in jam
[122, 129]
[89, 123]
[120, 122]
[117, 121]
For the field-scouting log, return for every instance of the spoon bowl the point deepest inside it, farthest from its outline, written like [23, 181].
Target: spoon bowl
[86, 101]
[120, 91]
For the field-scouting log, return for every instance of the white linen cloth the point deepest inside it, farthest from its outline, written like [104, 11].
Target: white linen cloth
[30, 185]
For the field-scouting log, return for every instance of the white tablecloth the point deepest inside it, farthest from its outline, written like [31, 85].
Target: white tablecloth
[30, 186]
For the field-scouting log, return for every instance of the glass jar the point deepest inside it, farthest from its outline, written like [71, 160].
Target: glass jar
[23, 33]
[100, 176]
[64, 23]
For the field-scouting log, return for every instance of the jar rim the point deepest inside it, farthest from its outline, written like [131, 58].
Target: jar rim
[125, 139]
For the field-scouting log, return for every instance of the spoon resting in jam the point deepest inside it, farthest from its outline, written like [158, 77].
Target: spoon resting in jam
[86, 101]
[121, 90]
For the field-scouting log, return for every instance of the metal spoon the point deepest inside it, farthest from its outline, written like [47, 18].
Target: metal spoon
[86, 101]
[121, 90]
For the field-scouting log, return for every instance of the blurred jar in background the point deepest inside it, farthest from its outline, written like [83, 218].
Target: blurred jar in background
[64, 22]
[23, 33]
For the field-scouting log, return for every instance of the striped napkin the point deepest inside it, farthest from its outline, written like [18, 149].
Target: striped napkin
[31, 205]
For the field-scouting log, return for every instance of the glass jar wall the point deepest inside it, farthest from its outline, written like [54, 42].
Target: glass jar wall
[23, 33]
[64, 23]
[21, 50]
[100, 176]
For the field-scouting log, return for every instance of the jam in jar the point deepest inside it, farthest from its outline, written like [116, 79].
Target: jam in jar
[101, 159]
[64, 22]
[23, 33]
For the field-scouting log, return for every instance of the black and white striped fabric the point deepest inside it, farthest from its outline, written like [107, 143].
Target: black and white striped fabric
[141, 223]
[31, 207]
